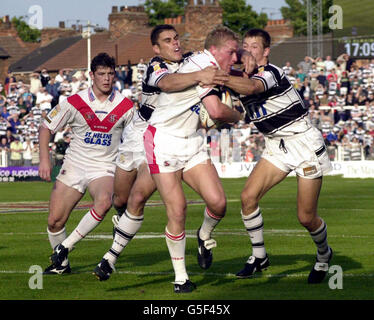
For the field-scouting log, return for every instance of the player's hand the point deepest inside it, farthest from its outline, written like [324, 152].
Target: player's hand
[211, 76]
[249, 62]
[45, 170]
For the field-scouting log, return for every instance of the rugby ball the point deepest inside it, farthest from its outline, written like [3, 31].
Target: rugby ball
[206, 121]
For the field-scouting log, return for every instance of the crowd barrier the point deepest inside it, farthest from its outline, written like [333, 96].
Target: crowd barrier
[347, 169]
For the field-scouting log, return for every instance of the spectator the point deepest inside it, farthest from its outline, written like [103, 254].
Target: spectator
[52, 88]
[322, 78]
[329, 64]
[44, 77]
[141, 66]
[127, 92]
[306, 64]
[288, 70]
[4, 144]
[44, 100]
[16, 150]
[35, 84]
[60, 77]
[27, 152]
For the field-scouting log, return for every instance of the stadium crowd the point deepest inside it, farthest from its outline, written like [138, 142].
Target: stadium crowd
[339, 95]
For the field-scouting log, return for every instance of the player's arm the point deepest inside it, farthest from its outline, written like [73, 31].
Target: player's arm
[219, 111]
[245, 86]
[45, 164]
[179, 81]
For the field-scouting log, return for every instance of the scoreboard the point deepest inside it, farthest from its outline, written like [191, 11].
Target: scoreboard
[356, 35]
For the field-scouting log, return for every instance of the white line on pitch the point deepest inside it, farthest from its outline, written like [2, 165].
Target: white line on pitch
[213, 274]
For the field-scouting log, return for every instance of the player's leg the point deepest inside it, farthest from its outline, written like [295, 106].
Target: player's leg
[129, 223]
[123, 181]
[62, 201]
[204, 179]
[170, 188]
[264, 176]
[101, 190]
[307, 203]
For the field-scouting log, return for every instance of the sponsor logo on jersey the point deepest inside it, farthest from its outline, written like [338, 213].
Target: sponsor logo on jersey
[103, 139]
[310, 171]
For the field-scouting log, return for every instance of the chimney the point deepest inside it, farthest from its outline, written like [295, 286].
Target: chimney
[114, 9]
[61, 24]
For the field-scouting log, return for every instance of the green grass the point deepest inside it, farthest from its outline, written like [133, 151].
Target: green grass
[144, 270]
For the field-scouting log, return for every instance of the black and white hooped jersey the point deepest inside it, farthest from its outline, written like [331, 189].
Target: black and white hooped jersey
[279, 110]
[157, 68]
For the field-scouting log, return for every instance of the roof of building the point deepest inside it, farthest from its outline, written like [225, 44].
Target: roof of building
[35, 60]
[4, 53]
[13, 47]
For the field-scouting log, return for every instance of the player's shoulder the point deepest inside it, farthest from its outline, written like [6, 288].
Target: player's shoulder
[198, 60]
[274, 69]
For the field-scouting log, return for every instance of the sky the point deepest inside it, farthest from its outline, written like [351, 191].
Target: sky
[97, 12]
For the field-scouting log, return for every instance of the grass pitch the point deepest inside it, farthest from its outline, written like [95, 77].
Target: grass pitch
[144, 270]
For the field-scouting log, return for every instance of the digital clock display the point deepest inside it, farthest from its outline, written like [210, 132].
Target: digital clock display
[362, 48]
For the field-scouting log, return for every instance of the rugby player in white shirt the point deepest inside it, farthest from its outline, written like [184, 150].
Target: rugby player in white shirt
[130, 197]
[292, 144]
[175, 153]
[97, 117]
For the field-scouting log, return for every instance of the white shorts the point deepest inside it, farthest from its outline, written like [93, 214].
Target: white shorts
[79, 175]
[167, 153]
[305, 153]
[131, 151]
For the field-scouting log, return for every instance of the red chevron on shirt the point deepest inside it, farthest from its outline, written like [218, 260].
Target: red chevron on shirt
[92, 120]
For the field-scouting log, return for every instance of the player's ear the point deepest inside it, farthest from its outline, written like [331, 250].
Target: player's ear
[156, 49]
[266, 52]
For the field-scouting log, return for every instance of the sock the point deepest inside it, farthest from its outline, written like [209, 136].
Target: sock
[255, 228]
[89, 222]
[320, 239]
[128, 226]
[177, 246]
[56, 237]
[209, 223]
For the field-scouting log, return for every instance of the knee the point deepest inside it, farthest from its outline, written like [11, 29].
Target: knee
[249, 201]
[119, 201]
[55, 224]
[218, 206]
[102, 204]
[308, 220]
[137, 200]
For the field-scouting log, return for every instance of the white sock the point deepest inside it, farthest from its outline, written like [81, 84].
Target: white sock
[56, 238]
[128, 226]
[209, 223]
[89, 222]
[320, 239]
[255, 228]
[177, 246]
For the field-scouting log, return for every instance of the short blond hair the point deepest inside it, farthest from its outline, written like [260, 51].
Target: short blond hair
[219, 35]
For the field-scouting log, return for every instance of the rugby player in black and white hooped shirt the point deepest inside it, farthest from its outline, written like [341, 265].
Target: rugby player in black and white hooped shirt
[292, 144]
[133, 184]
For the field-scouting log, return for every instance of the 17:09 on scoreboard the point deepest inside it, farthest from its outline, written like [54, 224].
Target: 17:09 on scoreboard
[360, 49]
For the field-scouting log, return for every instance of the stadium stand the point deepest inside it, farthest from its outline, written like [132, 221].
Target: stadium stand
[341, 104]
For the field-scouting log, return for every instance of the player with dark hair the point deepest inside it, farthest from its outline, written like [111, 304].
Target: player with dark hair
[292, 144]
[97, 117]
[130, 197]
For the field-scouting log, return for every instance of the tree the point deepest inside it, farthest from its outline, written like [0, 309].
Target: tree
[24, 31]
[240, 17]
[296, 13]
[158, 10]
